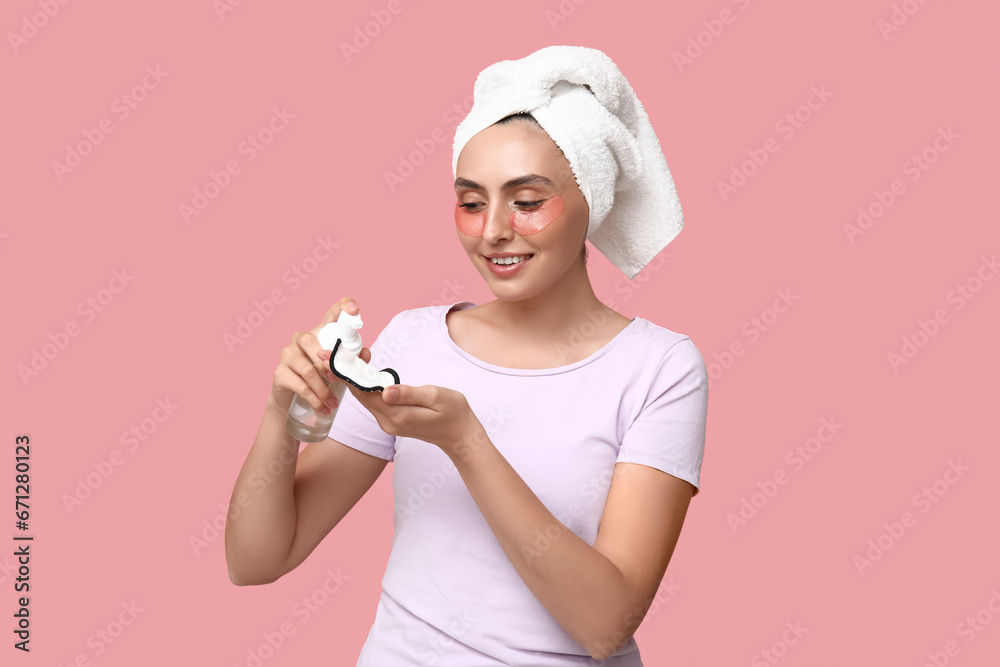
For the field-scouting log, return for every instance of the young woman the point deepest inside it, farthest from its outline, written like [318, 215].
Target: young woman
[546, 447]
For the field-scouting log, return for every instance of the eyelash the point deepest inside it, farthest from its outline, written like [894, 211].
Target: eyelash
[468, 206]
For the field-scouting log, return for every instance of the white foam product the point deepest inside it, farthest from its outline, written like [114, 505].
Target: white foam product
[343, 339]
[348, 366]
[346, 328]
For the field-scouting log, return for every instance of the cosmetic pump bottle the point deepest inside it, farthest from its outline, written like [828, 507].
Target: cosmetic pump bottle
[303, 422]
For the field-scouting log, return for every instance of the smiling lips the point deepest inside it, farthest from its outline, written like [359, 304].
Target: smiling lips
[525, 223]
[507, 259]
[508, 265]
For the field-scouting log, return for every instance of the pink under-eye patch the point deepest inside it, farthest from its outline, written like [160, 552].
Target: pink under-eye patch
[525, 223]
[470, 223]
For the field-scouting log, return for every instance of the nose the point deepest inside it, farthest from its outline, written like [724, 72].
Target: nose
[497, 226]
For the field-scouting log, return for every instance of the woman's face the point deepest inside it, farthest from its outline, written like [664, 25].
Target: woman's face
[517, 197]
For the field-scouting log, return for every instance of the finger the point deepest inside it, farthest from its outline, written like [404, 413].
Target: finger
[403, 394]
[308, 343]
[348, 304]
[367, 397]
[320, 360]
[286, 377]
[370, 401]
[315, 391]
[361, 396]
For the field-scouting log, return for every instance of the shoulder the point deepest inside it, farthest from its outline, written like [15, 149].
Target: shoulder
[412, 321]
[667, 347]
[413, 314]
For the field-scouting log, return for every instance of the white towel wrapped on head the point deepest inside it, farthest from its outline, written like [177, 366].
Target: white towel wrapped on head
[604, 133]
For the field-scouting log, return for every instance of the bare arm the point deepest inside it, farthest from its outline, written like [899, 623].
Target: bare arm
[295, 500]
[598, 593]
[284, 503]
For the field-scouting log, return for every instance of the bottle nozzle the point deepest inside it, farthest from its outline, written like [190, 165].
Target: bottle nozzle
[346, 329]
[347, 320]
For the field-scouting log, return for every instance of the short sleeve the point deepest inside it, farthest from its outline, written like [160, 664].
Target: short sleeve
[354, 425]
[669, 432]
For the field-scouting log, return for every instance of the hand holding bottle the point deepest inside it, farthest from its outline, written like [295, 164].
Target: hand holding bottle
[304, 383]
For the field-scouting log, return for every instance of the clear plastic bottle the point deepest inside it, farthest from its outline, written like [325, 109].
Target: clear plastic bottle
[303, 422]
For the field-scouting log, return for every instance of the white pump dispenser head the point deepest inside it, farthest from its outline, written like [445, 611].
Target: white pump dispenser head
[346, 329]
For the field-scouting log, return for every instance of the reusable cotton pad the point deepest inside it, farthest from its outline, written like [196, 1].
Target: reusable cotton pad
[344, 341]
[348, 366]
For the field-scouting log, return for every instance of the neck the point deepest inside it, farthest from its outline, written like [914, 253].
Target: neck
[547, 317]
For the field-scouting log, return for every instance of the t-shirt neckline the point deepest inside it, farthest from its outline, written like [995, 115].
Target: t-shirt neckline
[465, 305]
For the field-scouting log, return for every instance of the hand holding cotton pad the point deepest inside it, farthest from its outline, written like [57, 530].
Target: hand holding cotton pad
[343, 339]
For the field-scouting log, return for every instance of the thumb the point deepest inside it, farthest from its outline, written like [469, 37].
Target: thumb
[396, 393]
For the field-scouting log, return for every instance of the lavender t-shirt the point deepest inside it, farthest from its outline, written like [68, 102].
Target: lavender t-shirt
[450, 595]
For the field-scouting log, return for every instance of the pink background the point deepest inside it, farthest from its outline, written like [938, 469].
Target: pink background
[827, 356]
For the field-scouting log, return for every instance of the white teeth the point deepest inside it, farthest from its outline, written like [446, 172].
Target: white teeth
[509, 260]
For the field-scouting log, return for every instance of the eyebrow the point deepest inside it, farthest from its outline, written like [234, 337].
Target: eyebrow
[520, 181]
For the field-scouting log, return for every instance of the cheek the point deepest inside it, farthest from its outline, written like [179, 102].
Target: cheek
[526, 223]
[470, 224]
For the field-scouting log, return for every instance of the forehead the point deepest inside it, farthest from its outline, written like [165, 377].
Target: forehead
[510, 149]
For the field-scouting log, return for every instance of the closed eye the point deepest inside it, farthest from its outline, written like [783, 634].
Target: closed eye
[530, 205]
